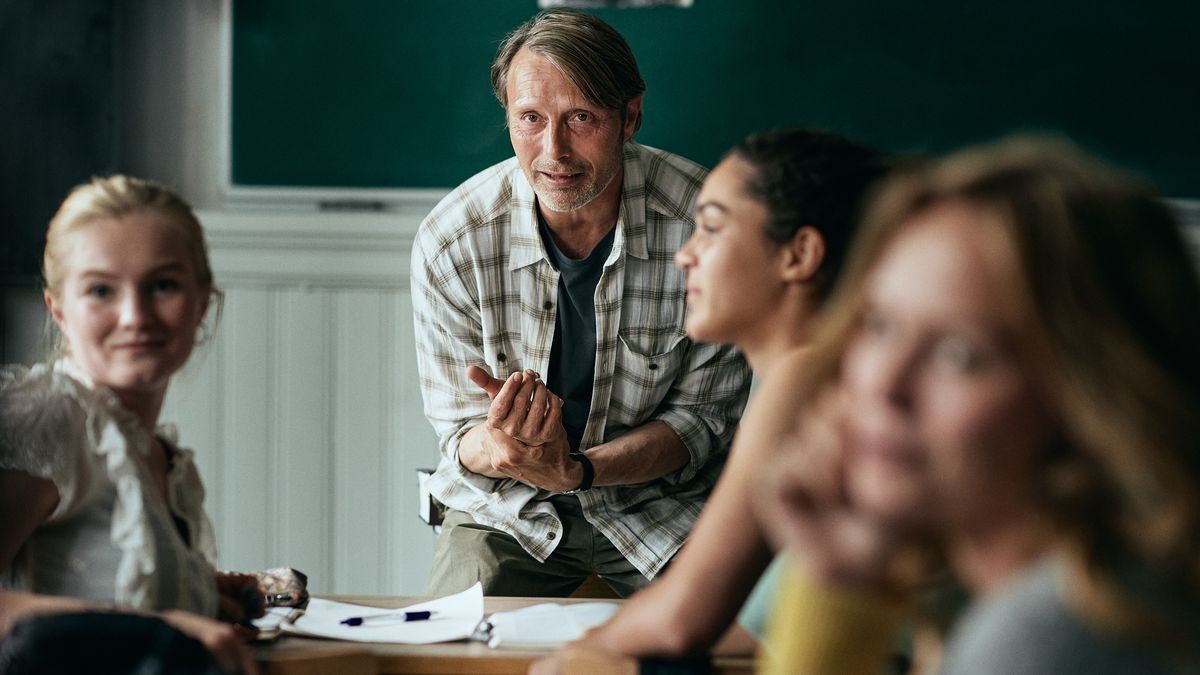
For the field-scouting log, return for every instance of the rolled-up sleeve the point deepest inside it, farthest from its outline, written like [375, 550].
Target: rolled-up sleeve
[704, 405]
[449, 340]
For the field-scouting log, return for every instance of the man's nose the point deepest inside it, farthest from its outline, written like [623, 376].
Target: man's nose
[556, 141]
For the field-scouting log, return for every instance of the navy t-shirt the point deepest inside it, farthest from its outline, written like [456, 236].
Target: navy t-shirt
[573, 353]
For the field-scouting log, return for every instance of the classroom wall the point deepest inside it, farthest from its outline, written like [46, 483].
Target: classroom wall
[173, 98]
[57, 113]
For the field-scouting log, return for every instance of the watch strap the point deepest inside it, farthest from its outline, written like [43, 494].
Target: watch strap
[589, 473]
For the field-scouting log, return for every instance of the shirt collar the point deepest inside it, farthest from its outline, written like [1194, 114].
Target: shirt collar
[68, 367]
[526, 247]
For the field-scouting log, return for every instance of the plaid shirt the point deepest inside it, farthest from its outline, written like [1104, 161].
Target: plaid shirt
[484, 293]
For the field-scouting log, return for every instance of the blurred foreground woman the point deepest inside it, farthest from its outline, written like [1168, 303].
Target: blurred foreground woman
[1009, 376]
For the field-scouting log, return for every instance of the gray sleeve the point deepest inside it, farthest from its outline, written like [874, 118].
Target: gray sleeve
[1030, 629]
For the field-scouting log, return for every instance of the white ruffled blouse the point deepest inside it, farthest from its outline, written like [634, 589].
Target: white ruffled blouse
[111, 539]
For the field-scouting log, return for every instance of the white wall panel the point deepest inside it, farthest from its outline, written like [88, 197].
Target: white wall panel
[304, 429]
[362, 372]
[249, 449]
[416, 448]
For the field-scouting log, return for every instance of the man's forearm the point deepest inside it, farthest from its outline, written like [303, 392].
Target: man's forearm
[650, 451]
[472, 455]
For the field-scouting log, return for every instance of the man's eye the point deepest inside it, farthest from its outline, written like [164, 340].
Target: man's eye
[99, 291]
[529, 118]
[584, 117]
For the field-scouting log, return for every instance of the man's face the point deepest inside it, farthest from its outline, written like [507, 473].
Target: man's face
[568, 147]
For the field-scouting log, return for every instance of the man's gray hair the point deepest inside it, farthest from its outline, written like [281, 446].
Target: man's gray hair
[589, 52]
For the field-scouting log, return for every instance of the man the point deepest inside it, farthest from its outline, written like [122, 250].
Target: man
[559, 261]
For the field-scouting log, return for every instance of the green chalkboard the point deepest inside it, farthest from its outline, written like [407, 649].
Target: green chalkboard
[395, 94]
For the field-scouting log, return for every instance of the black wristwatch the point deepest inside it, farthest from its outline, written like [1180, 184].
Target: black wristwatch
[589, 473]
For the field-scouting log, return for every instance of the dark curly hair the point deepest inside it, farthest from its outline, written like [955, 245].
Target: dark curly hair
[815, 179]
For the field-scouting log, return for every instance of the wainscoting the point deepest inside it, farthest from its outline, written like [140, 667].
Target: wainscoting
[304, 408]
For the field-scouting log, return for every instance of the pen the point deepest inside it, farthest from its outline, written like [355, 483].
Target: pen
[392, 616]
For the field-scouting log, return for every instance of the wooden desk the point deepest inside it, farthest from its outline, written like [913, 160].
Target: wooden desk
[294, 655]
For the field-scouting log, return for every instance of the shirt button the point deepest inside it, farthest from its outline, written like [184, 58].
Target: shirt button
[501, 357]
[653, 366]
[551, 535]
[547, 305]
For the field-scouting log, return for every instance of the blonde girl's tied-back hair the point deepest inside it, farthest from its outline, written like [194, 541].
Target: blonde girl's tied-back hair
[1111, 338]
[114, 197]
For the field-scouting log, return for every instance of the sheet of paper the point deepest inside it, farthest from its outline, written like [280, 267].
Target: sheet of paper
[273, 619]
[456, 617]
[547, 625]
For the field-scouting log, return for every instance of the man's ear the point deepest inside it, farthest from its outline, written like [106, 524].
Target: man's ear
[803, 255]
[633, 116]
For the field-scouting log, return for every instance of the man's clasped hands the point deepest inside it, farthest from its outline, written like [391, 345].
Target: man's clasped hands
[523, 437]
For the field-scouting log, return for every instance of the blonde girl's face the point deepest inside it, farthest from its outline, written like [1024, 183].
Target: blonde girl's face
[946, 428]
[129, 304]
[733, 269]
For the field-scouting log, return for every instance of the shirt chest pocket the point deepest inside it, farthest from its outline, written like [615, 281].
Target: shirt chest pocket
[643, 374]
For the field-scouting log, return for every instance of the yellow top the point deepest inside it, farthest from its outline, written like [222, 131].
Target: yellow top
[819, 628]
